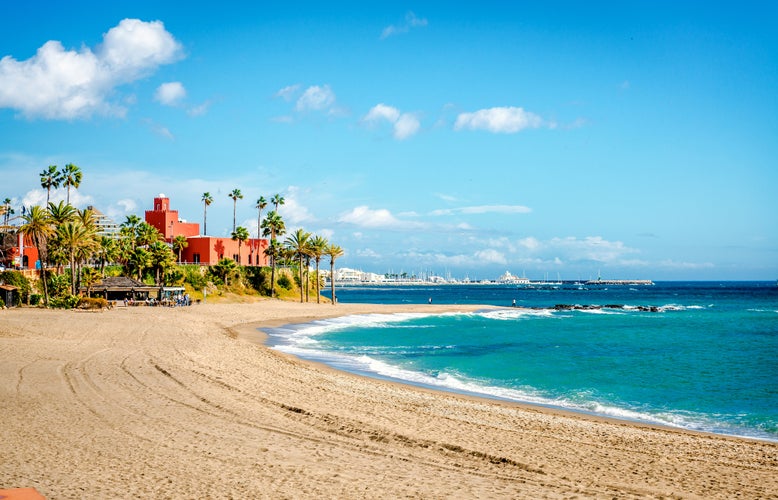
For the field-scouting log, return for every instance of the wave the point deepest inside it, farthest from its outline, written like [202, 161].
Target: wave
[580, 401]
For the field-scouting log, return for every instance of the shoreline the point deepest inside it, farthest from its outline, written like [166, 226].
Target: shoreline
[179, 403]
[256, 334]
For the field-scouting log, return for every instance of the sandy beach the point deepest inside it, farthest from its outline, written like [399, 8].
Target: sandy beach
[185, 403]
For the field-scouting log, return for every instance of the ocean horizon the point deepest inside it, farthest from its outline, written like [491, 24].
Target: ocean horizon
[692, 355]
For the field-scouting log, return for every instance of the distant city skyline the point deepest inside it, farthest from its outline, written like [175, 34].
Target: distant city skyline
[556, 140]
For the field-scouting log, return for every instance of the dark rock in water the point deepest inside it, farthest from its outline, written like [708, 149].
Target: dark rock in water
[594, 307]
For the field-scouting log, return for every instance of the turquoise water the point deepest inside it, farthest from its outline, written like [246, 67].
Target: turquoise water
[706, 359]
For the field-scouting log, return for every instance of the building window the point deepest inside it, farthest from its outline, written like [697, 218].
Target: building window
[196, 258]
[249, 259]
[236, 258]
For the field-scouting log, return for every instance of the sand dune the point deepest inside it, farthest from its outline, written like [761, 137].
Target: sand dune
[177, 403]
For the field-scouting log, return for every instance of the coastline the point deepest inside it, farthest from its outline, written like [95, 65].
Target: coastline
[157, 402]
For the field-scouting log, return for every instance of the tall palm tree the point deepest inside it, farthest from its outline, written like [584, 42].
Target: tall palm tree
[276, 200]
[50, 178]
[318, 246]
[272, 251]
[207, 199]
[333, 252]
[162, 257]
[261, 204]
[299, 242]
[71, 176]
[7, 210]
[37, 226]
[273, 226]
[75, 239]
[107, 251]
[235, 195]
[241, 234]
[179, 243]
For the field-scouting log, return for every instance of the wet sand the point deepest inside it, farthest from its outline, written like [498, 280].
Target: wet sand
[184, 403]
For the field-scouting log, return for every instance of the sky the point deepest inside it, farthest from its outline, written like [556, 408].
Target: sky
[634, 140]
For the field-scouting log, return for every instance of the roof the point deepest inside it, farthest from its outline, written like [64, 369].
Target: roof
[121, 283]
[8, 287]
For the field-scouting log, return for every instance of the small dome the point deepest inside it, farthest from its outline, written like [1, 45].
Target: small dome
[161, 195]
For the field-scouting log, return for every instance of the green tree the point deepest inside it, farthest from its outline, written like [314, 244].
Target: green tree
[224, 269]
[179, 243]
[299, 242]
[62, 213]
[71, 176]
[333, 252]
[138, 261]
[6, 210]
[146, 234]
[162, 258]
[90, 276]
[235, 195]
[107, 251]
[318, 246]
[272, 250]
[276, 200]
[50, 178]
[241, 235]
[207, 199]
[38, 227]
[77, 241]
[261, 204]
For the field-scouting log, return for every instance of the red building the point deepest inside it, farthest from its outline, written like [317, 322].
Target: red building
[202, 249]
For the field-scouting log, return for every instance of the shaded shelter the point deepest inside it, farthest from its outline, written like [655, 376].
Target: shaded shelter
[121, 287]
[9, 294]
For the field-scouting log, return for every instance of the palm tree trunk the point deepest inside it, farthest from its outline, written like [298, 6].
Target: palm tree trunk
[318, 292]
[332, 280]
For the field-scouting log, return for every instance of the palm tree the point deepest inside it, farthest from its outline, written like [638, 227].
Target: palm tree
[107, 251]
[179, 243]
[162, 257]
[224, 269]
[273, 226]
[333, 252]
[235, 195]
[272, 251]
[261, 204]
[241, 234]
[37, 226]
[207, 199]
[318, 246]
[138, 260]
[75, 239]
[276, 200]
[90, 276]
[146, 234]
[62, 213]
[299, 242]
[71, 176]
[50, 178]
[7, 210]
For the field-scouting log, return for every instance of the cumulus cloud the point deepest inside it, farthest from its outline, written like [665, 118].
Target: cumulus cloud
[366, 217]
[410, 21]
[67, 84]
[506, 120]
[316, 98]
[404, 125]
[170, 93]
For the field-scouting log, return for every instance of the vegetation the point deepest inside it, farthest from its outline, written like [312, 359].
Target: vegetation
[74, 256]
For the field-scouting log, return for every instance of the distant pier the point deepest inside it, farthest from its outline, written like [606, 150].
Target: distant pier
[618, 282]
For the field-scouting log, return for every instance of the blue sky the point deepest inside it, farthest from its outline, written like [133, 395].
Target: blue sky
[631, 139]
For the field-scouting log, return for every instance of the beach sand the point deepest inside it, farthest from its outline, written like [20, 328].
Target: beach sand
[179, 403]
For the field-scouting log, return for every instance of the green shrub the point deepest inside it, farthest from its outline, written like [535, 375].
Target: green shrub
[35, 299]
[2, 304]
[17, 279]
[65, 302]
[92, 303]
[284, 282]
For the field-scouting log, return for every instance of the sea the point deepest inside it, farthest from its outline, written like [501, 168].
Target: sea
[693, 355]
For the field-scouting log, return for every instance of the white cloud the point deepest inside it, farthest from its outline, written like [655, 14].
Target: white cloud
[293, 210]
[489, 256]
[66, 84]
[484, 209]
[505, 120]
[316, 98]
[404, 125]
[411, 21]
[364, 216]
[287, 93]
[170, 93]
